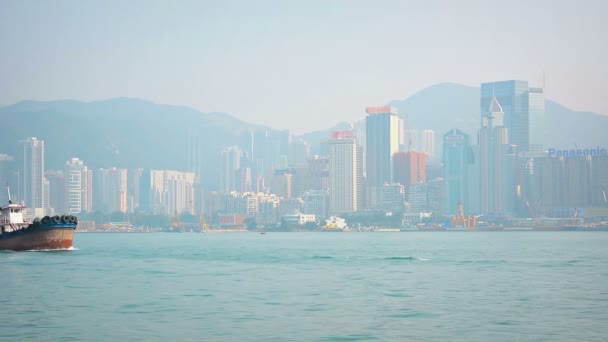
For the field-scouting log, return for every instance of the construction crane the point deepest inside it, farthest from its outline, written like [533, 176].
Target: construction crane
[462, 221]
[175, 223]
[202, 223]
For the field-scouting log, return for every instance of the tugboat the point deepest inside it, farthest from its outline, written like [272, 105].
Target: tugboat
[47, 233]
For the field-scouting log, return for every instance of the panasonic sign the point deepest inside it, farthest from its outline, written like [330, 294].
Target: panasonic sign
[578, 152]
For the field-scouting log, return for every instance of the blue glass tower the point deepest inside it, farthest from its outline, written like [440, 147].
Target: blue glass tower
[457, 157]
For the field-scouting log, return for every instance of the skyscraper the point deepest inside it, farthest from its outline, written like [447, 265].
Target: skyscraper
[456, 161]
[76, 186]
[524, 112]
[382, 142]
[428, 143]
[497, 162]
[31, 172]
[536, 121]
[409, 168]
[345, 174]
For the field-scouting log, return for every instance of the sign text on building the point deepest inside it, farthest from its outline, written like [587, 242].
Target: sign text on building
[597, 151]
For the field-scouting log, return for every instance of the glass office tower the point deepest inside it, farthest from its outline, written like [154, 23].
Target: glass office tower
[524, 112]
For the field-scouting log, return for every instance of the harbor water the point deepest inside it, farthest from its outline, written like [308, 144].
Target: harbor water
[416, 286]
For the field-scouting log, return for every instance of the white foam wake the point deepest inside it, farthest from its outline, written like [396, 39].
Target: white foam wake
[54, 249]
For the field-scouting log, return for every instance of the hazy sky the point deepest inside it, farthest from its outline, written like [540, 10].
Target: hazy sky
[302, 65]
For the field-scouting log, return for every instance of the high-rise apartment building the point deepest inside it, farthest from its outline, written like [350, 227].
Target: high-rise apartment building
[31, 173]
[145, 191]
[87, 190]
[428, 143]
[58, 195]
[77, 186]
[231, 162]
[111, 190]
[524, 112]
[457, 158]
[382, 142]
[133, 192]
[345, 174]
[172, 192]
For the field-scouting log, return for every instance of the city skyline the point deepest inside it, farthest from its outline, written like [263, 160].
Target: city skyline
[254, 61]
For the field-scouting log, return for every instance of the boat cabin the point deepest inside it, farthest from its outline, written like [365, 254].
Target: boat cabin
[12, 214]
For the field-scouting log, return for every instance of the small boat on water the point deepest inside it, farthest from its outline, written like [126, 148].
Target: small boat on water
[49, 232]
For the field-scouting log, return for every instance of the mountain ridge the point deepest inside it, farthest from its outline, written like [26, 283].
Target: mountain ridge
[448, 105]
[132, 133]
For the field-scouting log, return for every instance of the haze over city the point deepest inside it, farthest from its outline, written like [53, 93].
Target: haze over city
[313, 170]
[297, 65]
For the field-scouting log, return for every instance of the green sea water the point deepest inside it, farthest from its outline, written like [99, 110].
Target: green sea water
[443, 286]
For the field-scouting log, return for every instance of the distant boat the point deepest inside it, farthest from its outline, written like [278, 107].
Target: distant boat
[18, 234]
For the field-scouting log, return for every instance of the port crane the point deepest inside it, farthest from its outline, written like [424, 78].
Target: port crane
[175, 223]
[202, 223]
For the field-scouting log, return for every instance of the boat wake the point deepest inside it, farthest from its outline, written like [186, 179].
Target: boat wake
[54, 249]
[406, 258]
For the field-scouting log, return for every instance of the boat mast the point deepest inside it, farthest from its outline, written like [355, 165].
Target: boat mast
[8, 189]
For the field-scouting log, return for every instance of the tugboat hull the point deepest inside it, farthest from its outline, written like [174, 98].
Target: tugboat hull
[39, 238]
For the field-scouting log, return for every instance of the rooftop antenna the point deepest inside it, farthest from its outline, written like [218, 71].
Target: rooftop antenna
[543, 80]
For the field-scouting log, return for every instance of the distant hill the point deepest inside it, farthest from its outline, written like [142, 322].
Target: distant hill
[444, 106]
[127, 133]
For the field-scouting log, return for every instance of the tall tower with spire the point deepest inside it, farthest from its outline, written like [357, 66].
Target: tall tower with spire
[524, 112]
[497, 162]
